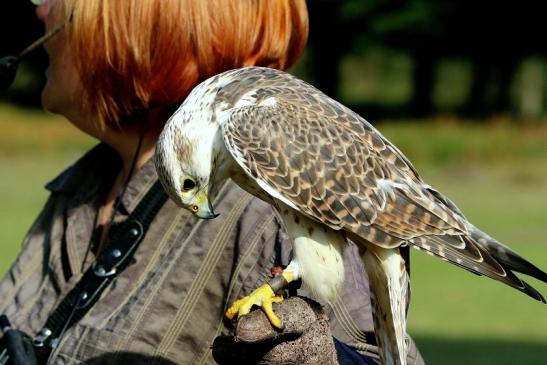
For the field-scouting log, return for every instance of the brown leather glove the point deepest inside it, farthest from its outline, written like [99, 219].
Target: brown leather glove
[306, 338]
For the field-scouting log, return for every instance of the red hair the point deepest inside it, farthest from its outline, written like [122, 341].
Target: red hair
[134, 55]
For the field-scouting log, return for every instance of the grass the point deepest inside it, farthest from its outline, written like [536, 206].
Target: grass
[34, 148]
[495, 172]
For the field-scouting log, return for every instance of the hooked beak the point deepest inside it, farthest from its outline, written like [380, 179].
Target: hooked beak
[203, 208]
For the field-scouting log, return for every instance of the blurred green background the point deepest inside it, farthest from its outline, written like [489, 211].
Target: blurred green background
[459, 86]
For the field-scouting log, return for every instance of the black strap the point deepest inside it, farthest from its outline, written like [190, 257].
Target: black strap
[113, 260]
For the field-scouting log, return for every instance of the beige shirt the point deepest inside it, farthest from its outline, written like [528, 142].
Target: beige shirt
[167, 306]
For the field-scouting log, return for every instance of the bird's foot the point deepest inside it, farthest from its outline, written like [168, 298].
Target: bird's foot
[262, 297]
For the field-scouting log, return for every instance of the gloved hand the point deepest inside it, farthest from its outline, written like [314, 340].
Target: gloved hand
[306, 338]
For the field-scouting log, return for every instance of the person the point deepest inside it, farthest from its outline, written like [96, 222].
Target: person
[117, 70]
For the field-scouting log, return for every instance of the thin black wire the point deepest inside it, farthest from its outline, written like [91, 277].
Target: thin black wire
[128, 177]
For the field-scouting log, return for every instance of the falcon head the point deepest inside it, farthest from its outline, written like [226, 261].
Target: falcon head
[187, 151]
[184, 176]
[191, 156]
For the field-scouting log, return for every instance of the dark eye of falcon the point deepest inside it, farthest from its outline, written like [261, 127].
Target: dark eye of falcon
[188, 185]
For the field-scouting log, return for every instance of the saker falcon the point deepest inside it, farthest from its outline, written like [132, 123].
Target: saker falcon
[332, 176]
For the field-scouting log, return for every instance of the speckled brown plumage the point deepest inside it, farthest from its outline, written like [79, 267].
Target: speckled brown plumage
[338, 169]
[333, 176]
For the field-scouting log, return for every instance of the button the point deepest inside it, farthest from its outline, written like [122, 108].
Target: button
[99, 270]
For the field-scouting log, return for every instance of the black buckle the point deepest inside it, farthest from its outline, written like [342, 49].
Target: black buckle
[109, 261]
[107, 264]
[40, 339]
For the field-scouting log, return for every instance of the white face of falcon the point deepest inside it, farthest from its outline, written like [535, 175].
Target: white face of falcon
[190, 155]
[188, 149]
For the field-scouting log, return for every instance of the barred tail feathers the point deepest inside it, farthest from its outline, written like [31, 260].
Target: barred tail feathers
[477, 259]
[506, 256]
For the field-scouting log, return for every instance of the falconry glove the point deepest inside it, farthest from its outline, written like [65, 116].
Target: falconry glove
[305, 339]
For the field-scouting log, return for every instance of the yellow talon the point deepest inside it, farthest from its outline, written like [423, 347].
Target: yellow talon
[262, 297]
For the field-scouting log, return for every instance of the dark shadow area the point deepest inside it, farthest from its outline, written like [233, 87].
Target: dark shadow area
[436, 351]
[492, 38]
[227, 352]
[20, 27]
[481, 351]
[429, 32]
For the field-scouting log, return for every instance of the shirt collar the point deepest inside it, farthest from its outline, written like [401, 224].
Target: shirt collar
[90, 173]
[85, 175]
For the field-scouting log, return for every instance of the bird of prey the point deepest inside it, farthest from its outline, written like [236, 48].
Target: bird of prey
[333, 177]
